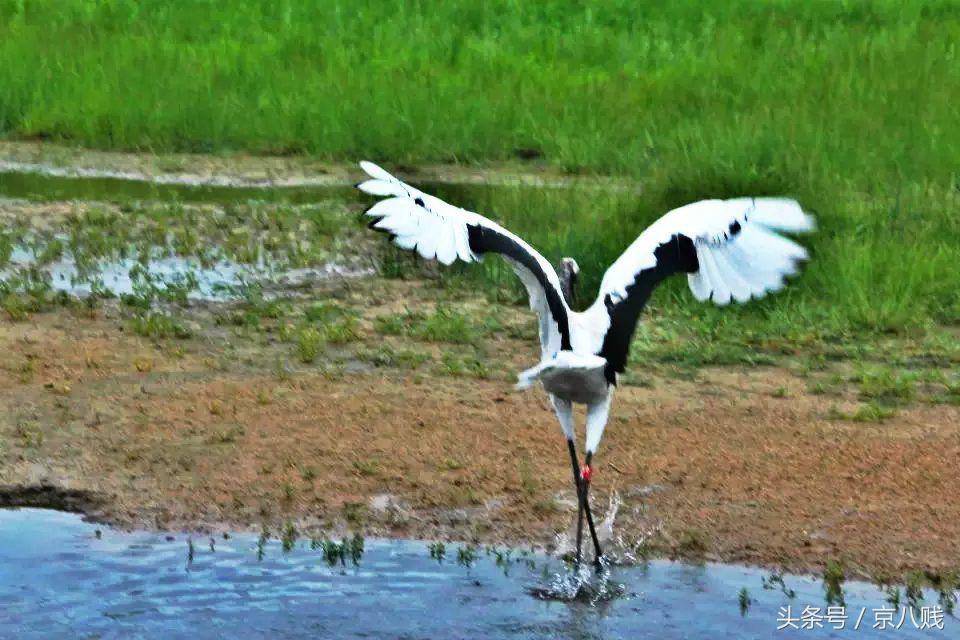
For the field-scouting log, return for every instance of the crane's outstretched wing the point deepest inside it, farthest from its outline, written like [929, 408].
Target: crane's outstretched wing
[729, 250]
[416, 220]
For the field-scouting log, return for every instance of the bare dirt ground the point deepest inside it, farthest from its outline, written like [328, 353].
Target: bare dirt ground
[224, 430]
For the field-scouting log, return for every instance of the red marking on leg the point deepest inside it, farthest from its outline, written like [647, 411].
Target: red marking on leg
[586, 472]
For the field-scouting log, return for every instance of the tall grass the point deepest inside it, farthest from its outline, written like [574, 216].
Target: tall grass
[778, 91]
[853, 107]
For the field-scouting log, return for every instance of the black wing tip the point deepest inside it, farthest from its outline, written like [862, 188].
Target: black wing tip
[370, 225]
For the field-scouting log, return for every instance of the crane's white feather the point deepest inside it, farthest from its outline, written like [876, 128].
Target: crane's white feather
[440, 231]
[739, 264]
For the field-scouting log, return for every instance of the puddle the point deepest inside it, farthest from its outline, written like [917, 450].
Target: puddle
[214, 274]
[222, 280]
[60, 576]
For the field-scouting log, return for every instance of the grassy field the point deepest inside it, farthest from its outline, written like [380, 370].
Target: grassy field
[850, 107]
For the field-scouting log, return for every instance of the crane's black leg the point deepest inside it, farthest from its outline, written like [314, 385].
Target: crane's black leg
[586, 504]
[576, 482]
[583, 505]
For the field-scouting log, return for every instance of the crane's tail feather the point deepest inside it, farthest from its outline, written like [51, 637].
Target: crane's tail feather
[564, 360]
[526, 379]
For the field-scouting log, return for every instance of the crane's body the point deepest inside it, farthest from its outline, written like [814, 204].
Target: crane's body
[730, 250]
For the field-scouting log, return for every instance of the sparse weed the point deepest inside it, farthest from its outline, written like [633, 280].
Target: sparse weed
[692, 543]
[309, 341]
[157, 325]
[437, 550]
[886, 386]
[369, 467]
[385, 355]
[833, 578]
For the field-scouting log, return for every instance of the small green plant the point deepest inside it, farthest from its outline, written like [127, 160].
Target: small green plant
[323, 312]
[355, 513]
[387, 356]
[309, 341]
[356, 548]
[288, 538]
[443, 325]
[262, 542]
[833, 578]
[528, 483]
[745, 601]
[157, 325]
[869, 412]
[367, 468]
[692, 543]
[341, 331]
[775, 582]
[887, 387]
[455, 364]
[913, 589]
[227, 436]
[892, 596]
[437, 550]
[334, 552]
[29, 436]
[466, 556]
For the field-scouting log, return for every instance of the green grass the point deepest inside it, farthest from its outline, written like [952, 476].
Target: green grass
[851, 107]
[159, 325]
[610, 86]
[887, 387]
[444, 324]
[309, 341]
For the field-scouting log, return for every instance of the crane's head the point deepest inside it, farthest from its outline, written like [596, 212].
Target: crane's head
[569, 272]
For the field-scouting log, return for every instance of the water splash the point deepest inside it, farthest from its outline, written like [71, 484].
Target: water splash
[586, 582]
[581, 583]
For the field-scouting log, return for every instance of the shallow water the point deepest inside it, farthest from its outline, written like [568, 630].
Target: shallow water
[220, 281]
[59, 578]
[213, 282]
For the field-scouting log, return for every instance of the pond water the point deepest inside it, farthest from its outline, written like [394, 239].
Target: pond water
[219, 281]
[61, 576]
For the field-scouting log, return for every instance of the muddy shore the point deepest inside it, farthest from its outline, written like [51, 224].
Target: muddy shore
[208, 433]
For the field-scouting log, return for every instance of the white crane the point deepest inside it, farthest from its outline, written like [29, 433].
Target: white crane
[729, 250]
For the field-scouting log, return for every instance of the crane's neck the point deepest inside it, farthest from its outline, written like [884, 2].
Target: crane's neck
[569, 272]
